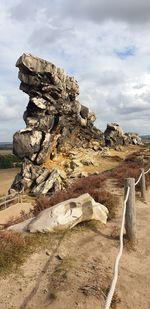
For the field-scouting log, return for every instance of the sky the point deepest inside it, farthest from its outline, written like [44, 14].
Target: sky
[104, 44]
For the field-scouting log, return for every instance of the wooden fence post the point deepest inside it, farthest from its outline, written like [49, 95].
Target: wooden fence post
[130, 217]
[143, 185]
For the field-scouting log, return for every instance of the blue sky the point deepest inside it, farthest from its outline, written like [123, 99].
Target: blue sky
[106, 47]
[125, 53]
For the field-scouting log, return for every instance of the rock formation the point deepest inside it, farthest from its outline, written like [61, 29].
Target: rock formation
[55, 121]
[115, 136]
[58, 128]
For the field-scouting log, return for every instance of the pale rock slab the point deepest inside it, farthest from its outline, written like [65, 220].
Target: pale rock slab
[65, 215]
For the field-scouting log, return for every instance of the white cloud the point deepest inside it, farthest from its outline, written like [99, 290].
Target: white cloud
[106, 47]
[135, 11]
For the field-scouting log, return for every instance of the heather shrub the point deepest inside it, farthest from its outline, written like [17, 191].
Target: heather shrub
[81, 186]
[15, 247]
[107, 199]
[125, 170]
[12, 246]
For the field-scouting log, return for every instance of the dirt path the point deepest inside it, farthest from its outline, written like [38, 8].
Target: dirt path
[76, 270]
[14, 211]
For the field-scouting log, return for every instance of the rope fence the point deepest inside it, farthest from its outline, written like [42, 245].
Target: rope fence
[136, 183]
[147, 171]
[128, 220]
[129, 223]
[116, 266]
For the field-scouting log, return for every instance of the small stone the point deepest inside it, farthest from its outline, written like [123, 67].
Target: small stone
[59, 257]
[47, 253]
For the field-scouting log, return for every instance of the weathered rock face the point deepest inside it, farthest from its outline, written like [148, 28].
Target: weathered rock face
[64, 216]
[114, 136]
[133, 138]
[55, 123]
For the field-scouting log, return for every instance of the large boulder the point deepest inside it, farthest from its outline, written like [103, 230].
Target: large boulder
[114, 136]
[65, 215]
[27, 143]
[133, 138]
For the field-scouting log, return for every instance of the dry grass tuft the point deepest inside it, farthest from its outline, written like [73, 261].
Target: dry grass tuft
[15, 247]
[12, 246]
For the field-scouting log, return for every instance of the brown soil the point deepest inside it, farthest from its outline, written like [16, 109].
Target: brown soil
[76, 270]
[6, 178]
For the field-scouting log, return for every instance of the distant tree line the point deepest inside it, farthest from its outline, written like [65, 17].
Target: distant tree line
[4, 146]
[9, 161]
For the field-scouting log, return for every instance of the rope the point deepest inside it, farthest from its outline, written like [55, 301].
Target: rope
[138, 179]
[116, 266]
[147, 171]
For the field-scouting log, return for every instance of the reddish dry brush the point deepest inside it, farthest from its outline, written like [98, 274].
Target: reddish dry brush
[130, 168]
[12, 246]
[108, 199]
[81, 186]
[15, 247]
[7, 237]
[44, 202]
[125, 170]
[92, 185]
[104, 197]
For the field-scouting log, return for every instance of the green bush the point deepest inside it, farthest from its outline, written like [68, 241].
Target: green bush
[8, 160]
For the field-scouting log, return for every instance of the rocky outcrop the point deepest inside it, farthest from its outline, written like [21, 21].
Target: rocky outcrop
[64, 216]
[134, 138]
[55, 121]
[56, 125]
[115, 136]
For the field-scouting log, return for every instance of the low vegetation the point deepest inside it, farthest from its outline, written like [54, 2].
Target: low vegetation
[101, 196]
[15, 247]
[9, 161]
[93, 185]
[130, 167]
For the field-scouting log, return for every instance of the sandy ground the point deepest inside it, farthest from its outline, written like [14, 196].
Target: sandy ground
[5, 151]
[75, 270]
[14, 212]
[6, 179]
